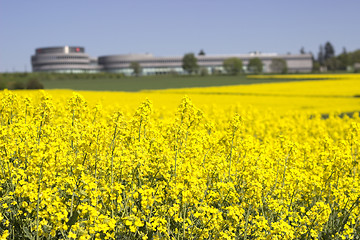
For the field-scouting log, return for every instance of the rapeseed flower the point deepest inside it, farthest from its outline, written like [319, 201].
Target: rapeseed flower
[81, 170]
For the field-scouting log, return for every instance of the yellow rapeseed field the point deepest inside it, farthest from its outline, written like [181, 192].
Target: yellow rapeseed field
[241, 162]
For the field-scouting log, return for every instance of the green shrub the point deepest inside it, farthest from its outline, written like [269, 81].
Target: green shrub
[233, 66]
[2, 85]
[34, 84]
[16, 85]
[204, 72]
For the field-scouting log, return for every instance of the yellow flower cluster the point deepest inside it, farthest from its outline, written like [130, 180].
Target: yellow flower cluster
[341, 94]
[74, 170]
[306, 76]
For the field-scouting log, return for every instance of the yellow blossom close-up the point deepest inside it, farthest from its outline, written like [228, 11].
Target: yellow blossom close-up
[262, 161]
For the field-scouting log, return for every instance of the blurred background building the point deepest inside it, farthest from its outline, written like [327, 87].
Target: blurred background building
[73, 59]
[63, 59]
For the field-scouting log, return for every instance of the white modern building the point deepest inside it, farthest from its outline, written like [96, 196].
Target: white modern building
[63, 59]
[74, 59]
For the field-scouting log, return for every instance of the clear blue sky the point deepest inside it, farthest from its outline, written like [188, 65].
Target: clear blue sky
[174, 27]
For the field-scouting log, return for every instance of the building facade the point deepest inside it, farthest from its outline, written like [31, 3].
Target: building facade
[63, 59]
[74, 59]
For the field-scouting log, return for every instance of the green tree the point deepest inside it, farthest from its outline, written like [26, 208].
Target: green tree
[278, 65]
[329, 51]
[189, 63]
[321, 55]
[201, 53]
[204, 72]
[316, 66]
[135, 66]
[255, 65]
[233, 65]
[344, 60]
[302, 50]
[332, 64]
[355, 57]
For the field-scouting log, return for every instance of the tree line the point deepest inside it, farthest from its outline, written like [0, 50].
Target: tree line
[328, 61]
[234, 66]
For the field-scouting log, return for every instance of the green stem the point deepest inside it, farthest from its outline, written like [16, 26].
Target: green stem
[230, 155]
[38, 200]
[246, 222]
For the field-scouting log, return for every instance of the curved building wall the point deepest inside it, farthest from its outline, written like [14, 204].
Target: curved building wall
[63, 59]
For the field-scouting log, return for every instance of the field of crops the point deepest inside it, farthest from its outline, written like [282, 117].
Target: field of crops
[239, 162]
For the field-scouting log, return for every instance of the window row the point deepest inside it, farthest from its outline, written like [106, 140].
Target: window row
[141, 61]
[59, 57]
[179, 61]
[61, 63]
